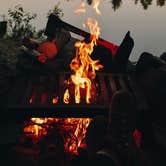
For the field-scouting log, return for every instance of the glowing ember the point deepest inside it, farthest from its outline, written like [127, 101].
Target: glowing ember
[80, 133]
[35, 130]
[39, 120]
[82, 65]
[30, 100]
[66, 97]
[73, 130]
[55, 100]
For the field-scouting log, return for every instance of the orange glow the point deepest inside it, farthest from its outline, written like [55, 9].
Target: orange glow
[55, 100]
[39, 120]
[30, 100]
[35, 130]
[81, 9]
[96, 5]
[75, 127]
[79, 133]
[66, 97]
[83, 66]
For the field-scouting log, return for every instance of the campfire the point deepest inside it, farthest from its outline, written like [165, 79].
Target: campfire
[65, 103]
[81, 85]
[73, 131]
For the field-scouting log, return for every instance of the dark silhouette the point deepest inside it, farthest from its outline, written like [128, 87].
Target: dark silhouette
[111, 142]
[95, 139]
[95, 134]
[161, 2]
[147, 61]
[116, 4]
[151, 77]
[122, 56]
[121, 124]
[3, 28]
[146, 3]
[163, 56]
[89, 2]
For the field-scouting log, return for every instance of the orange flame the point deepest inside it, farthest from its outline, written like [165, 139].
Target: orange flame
[80, 133]
[39, 127]
[39, 120]
[81, 9]
[96, 5]
[55, 100]
[83, 66]
[36, 130]
[66, 97]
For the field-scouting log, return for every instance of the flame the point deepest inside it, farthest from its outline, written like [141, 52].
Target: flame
[80, 133]
[84, 69]
[82, 65]
[81, 9]
[66, 97]
[37, 128]
[39, 120]
[55, 100]
[96, 5]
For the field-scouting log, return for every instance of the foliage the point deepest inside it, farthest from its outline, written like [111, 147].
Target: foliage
[20, 22]
[56, 10]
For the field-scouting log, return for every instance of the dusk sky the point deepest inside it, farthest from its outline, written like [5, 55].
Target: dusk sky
[148, 27]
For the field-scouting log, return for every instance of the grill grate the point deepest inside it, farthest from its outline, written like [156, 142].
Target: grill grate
[43, 88]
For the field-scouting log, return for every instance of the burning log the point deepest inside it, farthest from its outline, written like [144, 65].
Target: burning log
[104, 51]
[54, 22]
[27, 103]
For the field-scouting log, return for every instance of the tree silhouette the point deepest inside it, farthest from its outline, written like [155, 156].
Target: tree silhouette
[136, 1]
[116, 4]
[161, 2]
[146, 3]
[89, 2]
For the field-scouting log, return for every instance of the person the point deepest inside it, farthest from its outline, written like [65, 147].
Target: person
[151, 78]
[95, 134]
[95, 140]
[119, 147]
[121, 125]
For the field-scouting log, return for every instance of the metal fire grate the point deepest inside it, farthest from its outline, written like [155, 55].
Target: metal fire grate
[42, 89]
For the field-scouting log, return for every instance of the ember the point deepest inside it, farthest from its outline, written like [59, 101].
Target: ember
[73, 130]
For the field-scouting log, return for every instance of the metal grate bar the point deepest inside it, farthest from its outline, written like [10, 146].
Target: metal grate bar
[104, 93]
[122, 83]
[112, 84]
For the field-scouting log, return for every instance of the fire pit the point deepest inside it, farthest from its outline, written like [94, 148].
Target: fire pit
[43, 96]
[55, 109]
